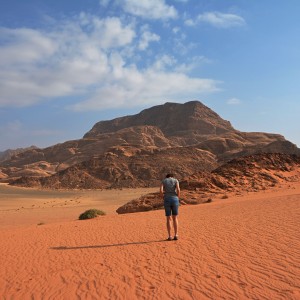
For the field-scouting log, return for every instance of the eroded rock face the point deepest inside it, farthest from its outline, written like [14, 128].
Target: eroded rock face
[170, 118]
[161, 128]
[248, 174]
[2, 175]
[116, 170]
[154, 201]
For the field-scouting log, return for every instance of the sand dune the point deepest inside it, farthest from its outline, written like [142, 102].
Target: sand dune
[245, 247]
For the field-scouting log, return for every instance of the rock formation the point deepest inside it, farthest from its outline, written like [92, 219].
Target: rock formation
[171, 131]
[247, 174]
[117, 169]
[8, 154]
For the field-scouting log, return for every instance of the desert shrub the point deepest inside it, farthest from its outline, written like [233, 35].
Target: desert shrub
[209, 200]
[224, 197]
[91, 213]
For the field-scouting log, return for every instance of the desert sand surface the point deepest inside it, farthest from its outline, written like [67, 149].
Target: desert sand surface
[243, 247]
[28, 206]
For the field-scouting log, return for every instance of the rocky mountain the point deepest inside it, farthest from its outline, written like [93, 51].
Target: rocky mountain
[148, 137]
[173, 119]
[251, 173]
[116, 170]
[9, 153]
[246, 174]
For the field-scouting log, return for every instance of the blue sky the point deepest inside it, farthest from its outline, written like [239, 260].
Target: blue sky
[65, 65]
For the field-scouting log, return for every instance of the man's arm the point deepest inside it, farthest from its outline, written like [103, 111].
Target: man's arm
[161, 190]
[177, 189]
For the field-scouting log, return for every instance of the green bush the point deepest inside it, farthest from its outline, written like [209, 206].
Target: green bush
[91, 213]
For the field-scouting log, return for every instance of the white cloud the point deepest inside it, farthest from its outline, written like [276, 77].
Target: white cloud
[33, 45]
[104, 2]
[190, 22]
[150, 9]
[108, 32]
[234, 101]
[36, 65]
[217, 19]
[146, 38]
[164, 62]
[147, 87]
[192, 63]
[175, 30]
[91, 59]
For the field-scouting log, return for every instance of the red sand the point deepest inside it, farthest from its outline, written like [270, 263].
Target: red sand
[244, 247]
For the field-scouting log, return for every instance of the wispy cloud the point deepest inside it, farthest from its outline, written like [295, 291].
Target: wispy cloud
[35, 65]
[150, 9]
[144, 88]
[233, 101]
[217, 19]
[90, 58]
[146, 38]
[104, 2]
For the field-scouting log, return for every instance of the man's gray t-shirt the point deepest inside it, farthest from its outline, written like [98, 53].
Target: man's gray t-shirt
[170, 186]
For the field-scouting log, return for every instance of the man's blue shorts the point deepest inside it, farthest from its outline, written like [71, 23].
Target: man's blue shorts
[171, 204]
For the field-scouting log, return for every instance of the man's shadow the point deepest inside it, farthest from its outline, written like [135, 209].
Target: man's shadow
[104, 246]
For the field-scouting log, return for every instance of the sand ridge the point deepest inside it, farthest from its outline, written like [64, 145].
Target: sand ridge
[245, 247]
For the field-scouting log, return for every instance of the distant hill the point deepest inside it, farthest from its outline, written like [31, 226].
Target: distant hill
[148, 137]
[9, 153]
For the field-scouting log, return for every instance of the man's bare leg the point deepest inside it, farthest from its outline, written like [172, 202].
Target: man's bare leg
[169, 225]
[175, 225]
